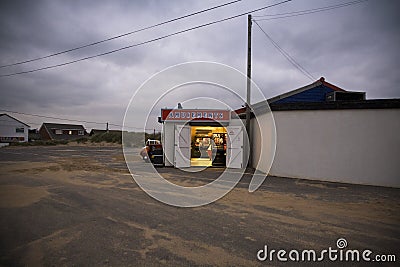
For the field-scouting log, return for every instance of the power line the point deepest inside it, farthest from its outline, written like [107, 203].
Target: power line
[307, 11]
[145, 42]
[70, 120]
[25, 122]
[122, 35]
[287, 55]
[50, 117]
[29, 124]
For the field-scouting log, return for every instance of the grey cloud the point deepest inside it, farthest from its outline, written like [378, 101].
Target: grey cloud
[354, 47]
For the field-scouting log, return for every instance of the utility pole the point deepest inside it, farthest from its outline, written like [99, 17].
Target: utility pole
[249, 22]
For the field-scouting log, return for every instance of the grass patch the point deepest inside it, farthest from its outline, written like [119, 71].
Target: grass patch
[131, 139]
[107, 137]
[82, 140]
[41, 143]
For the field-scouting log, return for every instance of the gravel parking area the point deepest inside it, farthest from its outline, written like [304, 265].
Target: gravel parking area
[78, 205]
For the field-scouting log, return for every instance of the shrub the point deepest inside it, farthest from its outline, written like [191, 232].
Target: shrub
[20, 144]
[132, 139]
[41, 143]
[110, 137]
[82, 140]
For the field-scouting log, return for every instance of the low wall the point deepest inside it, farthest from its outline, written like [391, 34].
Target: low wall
[353, 146]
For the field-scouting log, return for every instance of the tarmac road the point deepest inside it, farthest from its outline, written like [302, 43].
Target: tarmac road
[78, 205]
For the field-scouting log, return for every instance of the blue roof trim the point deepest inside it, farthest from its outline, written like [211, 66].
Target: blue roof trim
[316, 94]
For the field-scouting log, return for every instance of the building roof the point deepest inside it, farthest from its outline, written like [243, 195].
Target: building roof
[304, 98]
[4, 114]
[314, 92]
[362, 104]
[261, 107]
[100, 131]
[63, 126]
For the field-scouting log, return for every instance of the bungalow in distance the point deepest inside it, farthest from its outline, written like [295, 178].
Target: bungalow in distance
[12, 129]
[59, 131]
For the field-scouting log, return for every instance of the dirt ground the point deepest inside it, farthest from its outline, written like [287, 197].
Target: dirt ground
[78, 205]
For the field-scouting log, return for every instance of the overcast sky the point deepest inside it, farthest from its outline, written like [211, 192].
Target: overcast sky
[354, 47]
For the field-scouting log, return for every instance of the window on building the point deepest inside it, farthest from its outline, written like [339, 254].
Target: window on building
[58, 131]
[19, 130]
[69, 132]
[80, 132]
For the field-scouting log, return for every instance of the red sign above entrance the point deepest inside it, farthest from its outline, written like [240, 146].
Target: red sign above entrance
[195, 114]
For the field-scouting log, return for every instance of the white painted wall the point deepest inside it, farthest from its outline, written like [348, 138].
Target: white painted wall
[8, 128]
[262, 146]
[353, 146]
[169, 142]
[241, 122]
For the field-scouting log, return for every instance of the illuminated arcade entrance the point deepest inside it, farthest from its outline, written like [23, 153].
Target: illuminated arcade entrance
[202, 137]
[208, 146]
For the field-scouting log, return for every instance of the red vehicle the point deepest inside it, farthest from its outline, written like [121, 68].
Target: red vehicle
[153, 152]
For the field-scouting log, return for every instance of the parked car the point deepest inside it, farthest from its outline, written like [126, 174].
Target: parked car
[153, 152]
[152, 142]
[144, 152]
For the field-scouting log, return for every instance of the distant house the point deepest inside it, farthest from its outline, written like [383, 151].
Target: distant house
[59, 131]
[99, 131]
[12, 129]
[34, 135]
